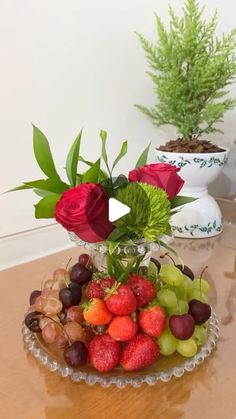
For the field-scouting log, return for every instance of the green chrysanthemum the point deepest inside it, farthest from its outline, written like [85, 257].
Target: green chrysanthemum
[150, 210]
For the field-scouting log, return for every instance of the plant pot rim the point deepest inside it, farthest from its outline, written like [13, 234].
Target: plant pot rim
[224, 150]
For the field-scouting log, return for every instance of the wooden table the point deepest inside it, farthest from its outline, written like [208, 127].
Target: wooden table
[29, 391]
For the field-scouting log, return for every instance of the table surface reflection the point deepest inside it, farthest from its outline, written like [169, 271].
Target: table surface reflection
[29, 391]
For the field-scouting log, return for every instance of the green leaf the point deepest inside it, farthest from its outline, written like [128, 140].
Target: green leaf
[116, 234]
[42, 193]
[103, 176]
[120, 182]
[43, 153]
[50, 185]
[72, 160]
[19, 188]
[45, 208]
[93, 173]
[112, 246]
[89, 163]
[121, 154]
[103, 136]
[181, 200]
[143, 158]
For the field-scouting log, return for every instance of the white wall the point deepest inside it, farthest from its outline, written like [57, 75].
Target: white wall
[68, 64]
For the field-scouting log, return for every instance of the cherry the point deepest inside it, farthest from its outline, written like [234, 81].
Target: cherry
[182, 326]
[157, 263]
[186, 271]
[80, 274]
[76, 354]
[34, 294]
[32, 321]
[200, 312]
[86, 260]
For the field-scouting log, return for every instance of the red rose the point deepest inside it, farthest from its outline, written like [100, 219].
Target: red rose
[84, 210]
[161, 175]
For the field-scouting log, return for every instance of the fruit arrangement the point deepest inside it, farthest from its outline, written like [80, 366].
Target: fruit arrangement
[92, 317]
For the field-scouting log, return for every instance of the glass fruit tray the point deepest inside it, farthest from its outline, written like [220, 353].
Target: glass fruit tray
[163, 369]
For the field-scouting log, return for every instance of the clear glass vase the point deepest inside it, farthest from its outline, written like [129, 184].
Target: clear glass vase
[117, 259]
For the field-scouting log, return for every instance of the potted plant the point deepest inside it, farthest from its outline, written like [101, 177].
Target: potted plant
[191, 70]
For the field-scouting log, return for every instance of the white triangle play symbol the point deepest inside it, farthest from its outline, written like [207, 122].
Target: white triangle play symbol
[116, 210]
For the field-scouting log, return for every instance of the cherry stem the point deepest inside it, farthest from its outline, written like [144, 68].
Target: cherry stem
[203, 271]
[169, 256]
[67, 265]
[201, 279]
[60, 325]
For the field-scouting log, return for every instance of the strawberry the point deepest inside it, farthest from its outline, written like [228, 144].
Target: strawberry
[152, 321]
[104, 352]
[96, 288]
[121, 300]
[143, 289]
[122, 328]
[139, 352]
[96, 312]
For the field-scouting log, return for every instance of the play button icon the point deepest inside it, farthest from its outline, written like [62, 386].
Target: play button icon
[116, 209]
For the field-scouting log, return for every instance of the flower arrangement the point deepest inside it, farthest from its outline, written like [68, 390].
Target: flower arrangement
[81, 205]
[117, 314]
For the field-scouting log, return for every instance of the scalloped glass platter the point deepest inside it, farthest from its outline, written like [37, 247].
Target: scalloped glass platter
[162, 370]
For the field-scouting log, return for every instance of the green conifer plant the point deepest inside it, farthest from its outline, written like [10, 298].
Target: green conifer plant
[191, 69]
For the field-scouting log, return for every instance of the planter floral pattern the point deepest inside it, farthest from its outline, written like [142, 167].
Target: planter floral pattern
[209, 228]
[201, 161]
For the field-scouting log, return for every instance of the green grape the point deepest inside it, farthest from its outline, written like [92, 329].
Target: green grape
[187, 286]
[200, 335]
[167, 298]
[179, 292]
[201, 284]
[167, 343]
[181, 308]
[171, 275]
[187, 348]
[198, 295]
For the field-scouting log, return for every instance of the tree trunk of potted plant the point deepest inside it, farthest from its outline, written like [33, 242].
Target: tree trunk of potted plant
[191, 70]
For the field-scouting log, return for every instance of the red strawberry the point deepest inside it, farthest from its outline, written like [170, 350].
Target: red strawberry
[104, 352]
[121, 301]
[122, 328]
[143, 289]
[96, 289]
[96, 312]
[139, 352]
[152, 321]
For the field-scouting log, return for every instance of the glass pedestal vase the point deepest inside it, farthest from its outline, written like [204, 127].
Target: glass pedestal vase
[122, 260]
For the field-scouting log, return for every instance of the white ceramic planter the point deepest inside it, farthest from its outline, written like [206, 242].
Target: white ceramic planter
[201, 218]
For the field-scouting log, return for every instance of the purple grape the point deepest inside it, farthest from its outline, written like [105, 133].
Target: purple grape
[76, 354]
[34, 294]
[76, 291]
[80, 274]
[32, 321]
[66, 297]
